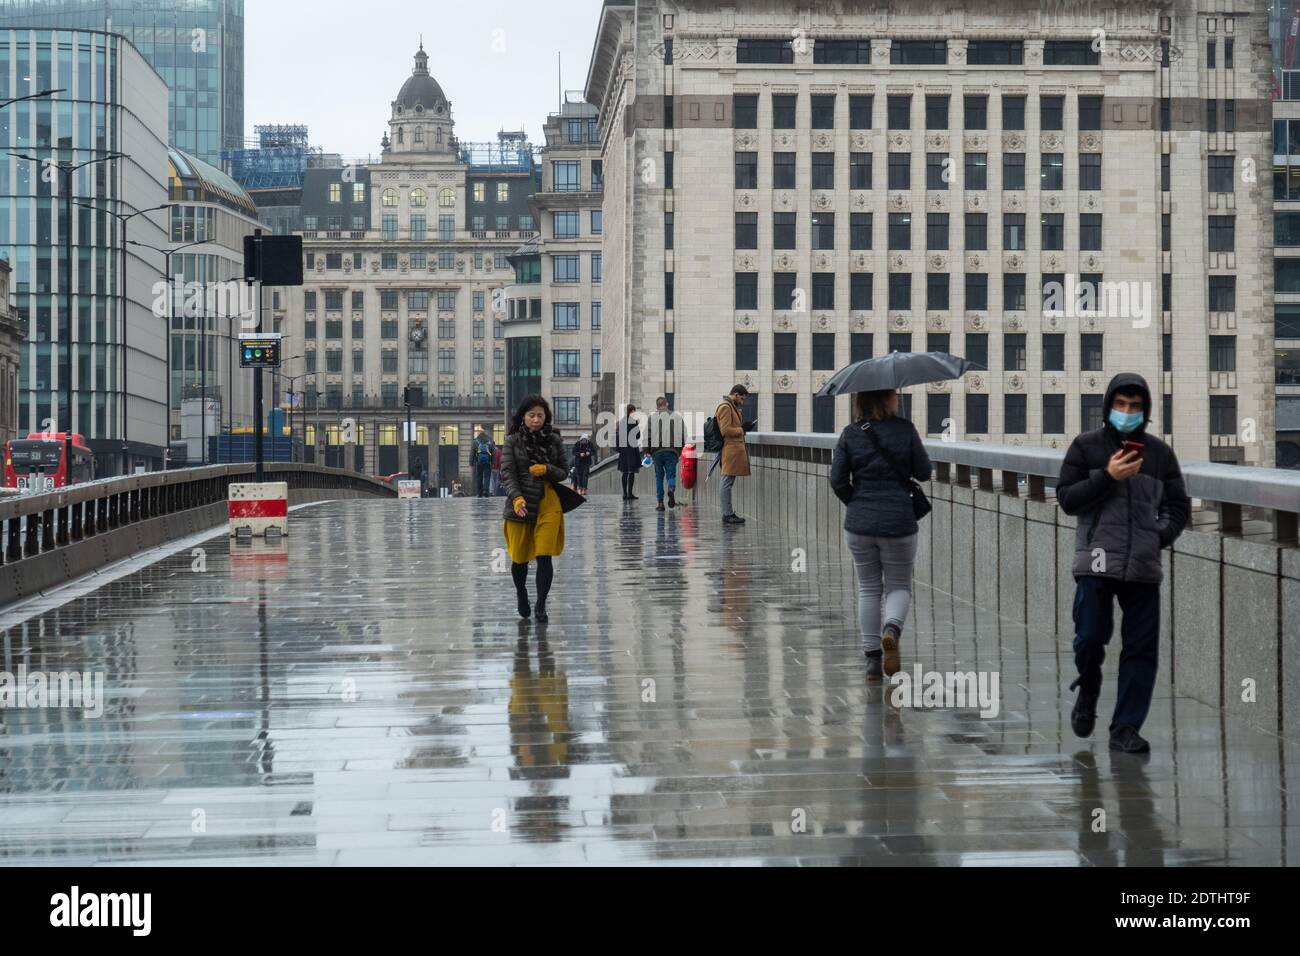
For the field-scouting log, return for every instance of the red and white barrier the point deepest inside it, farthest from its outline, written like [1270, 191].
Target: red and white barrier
[259, 508]
[408, 488]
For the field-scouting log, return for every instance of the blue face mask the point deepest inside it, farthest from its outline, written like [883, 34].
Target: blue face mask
[1125, 422]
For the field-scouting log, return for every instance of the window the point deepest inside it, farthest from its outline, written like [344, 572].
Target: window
[1286, 320]
[388, 300]
[975, 114]
[668, 290]
[823, 290]
[783, 111]
[823, 351]
[1052, 290]
[1223, 353]
[764, 51]
[919, 52]
[995, 53]
[823, 414]
[783, 230]
[1090, 112]
[783, 285]
[746, 230]
[1051, 112]
[860, 291]
[567, 363]
[1013, 292]
[859, 170]
[358, 192]
[669, 352]
[1090, 352]
[480, 192]
[1090, 171]
[977, 347]
[564, 316]
[446, 300]
[936, 291]
[900, 230]
[1013, 112]
[333, 260]
[1013, 231]
[388, 260]
[936, 112]
[567, 174]
[566, 410]
[1166, 351]
[1167, 418]
[859, 346]
[595, 316]
[503, 192]
[784, 408]
[856, 52]
[388, 361]
[446, 233]
[1014, 414]
[1220, 173]
[936, 230]
[746, 351]
[899, 112]
[668, 170]
[1209, 53]
[747, 170]
[977, 231]
[938, 410]
[860, 108]
[900, 291]
[388, 228]
[860, 230]
[746, 290]
[1227, 54]
[597, 268]
[566, 268]
[1053, 230]
[900, 342]
[937, 171]
[823, 170]
[1166, 292]
[418, 300]
[900, 170]
[1164, 173]
[597, 181]
[419, 229]
[1223, 231]
[388, 198]
[823, 230]
[566, 224]
[977, 292]
[1070, 53]
[823, 111]
[595, 362]
[977, 414]
[977, 171]
[668, 230]
[1054, 414]
[1286, 228]
[1223, 293]
[783, 171]
[1223, 414]
[668, 112]
[419, 260]
[744, 110]
[1013, 170]
[1211, 116]
[784, 347]
[1053, 171]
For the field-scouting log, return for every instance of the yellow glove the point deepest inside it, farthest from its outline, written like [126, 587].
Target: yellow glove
[537, 471]
[521, 507]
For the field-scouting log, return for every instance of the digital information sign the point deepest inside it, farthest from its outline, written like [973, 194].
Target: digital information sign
[259, 350]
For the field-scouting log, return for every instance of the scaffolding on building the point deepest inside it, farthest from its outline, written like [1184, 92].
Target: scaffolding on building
[511, 153]
[278, 158]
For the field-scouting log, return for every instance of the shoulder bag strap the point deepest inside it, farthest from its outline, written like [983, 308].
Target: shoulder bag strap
[901, 473]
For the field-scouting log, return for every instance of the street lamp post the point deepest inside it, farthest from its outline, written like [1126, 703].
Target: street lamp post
[123, 219]
[66, 170]
[171, 303]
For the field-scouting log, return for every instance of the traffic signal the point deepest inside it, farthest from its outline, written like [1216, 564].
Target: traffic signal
[406, 395]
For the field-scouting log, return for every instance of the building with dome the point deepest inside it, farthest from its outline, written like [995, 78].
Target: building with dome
[405, 267]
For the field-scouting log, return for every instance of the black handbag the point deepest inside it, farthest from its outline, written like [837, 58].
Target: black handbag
[570, 500]
[920, 503]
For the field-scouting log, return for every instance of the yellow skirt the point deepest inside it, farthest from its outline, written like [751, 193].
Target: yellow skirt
[526, 541]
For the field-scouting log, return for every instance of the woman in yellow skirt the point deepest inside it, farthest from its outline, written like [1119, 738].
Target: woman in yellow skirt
[533, 462]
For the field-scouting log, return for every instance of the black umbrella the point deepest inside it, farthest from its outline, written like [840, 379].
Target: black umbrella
[898, 370]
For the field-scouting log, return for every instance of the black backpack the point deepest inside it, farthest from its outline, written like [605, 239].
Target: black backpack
[712, 436]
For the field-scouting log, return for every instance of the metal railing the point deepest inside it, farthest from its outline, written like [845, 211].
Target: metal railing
[1234, 492]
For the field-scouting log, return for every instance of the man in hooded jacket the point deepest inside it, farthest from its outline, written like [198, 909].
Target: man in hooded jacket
[1125, 487]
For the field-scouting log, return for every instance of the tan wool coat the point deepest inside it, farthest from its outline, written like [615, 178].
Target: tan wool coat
[735, 457]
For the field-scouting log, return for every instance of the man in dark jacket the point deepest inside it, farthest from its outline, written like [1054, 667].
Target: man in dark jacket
[481, 455]
[1125, 487]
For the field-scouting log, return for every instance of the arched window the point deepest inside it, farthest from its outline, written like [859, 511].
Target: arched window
[400, 137]
[419, 135]
[390, 198]
[419, 198]
[439, 135]
[447, 198]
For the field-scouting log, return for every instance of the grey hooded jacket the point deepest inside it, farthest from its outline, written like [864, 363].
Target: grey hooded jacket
[1123, 525]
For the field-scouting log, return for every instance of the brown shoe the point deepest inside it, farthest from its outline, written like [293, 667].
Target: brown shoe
[889, 647]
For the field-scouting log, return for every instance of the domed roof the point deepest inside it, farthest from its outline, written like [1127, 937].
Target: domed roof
[421, 90]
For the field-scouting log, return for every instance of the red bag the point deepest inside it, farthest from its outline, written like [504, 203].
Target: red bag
[689, 458]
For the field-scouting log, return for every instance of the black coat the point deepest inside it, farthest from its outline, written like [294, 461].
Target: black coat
[628, 440]
[876, 502]
[517, 479]
[1123, 525]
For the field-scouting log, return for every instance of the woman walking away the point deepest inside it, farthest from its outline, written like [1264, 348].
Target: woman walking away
[583, 452]
[628, 441]
[533, 462]
[874, 461]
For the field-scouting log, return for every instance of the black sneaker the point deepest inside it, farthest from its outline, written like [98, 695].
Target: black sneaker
[659, 506]
[1084, 716]
[874, 670]
[733, 519]
[541, 616]
[672, 499]
[1127, 740]
[525, 610]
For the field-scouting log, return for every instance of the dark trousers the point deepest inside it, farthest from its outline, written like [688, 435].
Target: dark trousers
[1094, 621]
[482, 478]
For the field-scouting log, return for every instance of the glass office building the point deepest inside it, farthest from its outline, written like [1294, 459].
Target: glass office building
[197, 46]
[112, 101]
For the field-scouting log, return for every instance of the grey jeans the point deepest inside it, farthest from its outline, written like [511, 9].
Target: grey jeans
[884, 567]
[727, 482]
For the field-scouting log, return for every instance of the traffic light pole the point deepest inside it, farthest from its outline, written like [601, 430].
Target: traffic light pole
[257, 372]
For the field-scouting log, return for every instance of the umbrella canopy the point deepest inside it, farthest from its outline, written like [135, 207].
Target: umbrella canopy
[898, 370]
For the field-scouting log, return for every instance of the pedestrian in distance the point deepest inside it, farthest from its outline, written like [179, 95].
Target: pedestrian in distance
[734, 454]
[584, 453]
[496, 487]
[876, 460]
[627, 440]
[666, 437]
[1126, 489]
[481, 456]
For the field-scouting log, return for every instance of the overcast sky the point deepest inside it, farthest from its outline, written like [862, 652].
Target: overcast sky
[336, 65]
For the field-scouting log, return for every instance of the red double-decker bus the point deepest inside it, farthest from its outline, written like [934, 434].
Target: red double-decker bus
[38, 463]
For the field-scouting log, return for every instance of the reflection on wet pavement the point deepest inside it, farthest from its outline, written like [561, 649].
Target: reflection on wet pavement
[365, 694]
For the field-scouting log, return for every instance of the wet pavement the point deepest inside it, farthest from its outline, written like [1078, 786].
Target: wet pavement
[365, 694]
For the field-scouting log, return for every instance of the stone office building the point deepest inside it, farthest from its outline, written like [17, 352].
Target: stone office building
[11, 338]
[405, 274]
[790, 187]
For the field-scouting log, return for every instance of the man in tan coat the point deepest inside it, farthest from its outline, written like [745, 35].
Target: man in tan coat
[735, 457]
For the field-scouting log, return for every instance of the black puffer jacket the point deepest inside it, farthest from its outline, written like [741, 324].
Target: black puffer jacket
[877, 503]
[1123, 525]
[517, 479]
